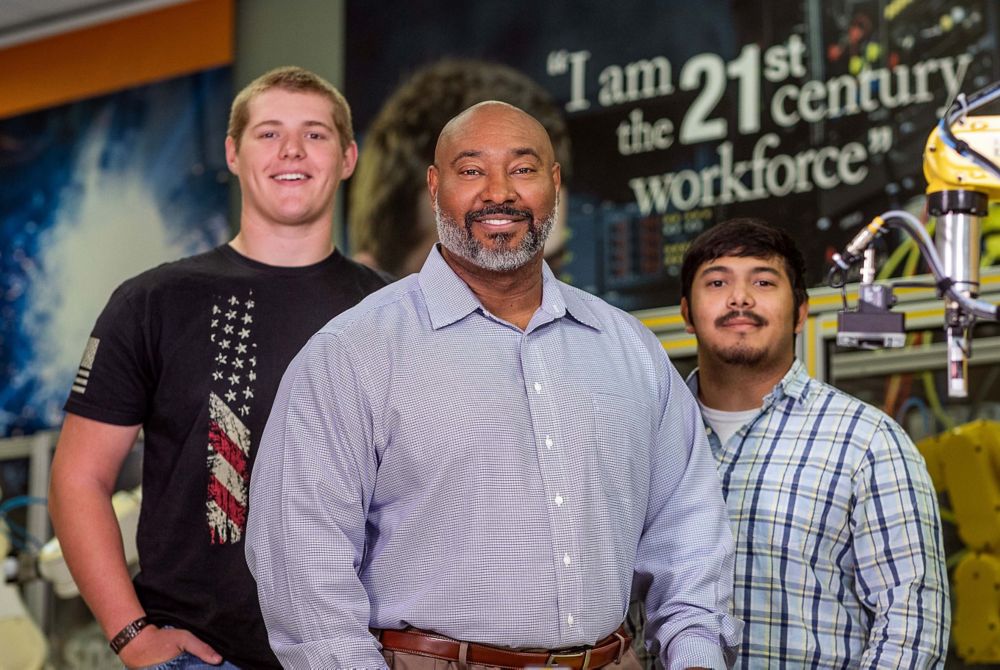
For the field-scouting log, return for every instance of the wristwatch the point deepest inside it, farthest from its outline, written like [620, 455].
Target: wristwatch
[127, 634]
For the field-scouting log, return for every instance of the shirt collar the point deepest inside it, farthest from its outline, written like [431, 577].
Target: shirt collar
[692, 382]
[795, 384]
[559, 300]
[449, 299]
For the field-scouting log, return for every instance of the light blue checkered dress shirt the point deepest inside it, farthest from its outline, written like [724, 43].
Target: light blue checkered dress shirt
[839, 557]
[428, 464]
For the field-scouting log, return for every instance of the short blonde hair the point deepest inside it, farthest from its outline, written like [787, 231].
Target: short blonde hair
[296, 79]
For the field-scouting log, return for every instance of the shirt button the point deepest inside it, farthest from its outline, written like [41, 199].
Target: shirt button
[558, 500]
[569, 619]
[566, 562]
[548, 442]
[538, 387]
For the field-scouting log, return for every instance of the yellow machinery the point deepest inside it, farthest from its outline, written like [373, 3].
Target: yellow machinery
[52, 566]
[22, 645]
[947, 170]
[960, 163]
[961, 160]
[965, 462]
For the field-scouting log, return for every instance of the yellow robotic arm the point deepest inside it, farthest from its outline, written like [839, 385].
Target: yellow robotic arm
[961, 165]
[946, 169]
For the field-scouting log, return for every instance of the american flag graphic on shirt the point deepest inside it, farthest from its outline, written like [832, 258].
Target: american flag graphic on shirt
[229, 401]
[86, 365]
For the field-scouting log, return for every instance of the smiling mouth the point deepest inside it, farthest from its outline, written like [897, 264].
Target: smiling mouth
[497, 223]
[498, 216]
[290, 177]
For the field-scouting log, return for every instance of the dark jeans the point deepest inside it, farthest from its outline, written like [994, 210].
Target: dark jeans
[188, 661]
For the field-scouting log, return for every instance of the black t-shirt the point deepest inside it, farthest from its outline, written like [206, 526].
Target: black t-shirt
[194, 351]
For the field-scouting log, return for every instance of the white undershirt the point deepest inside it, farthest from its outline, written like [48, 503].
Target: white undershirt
[725, 424]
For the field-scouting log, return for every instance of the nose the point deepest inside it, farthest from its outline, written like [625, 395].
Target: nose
[499, 188]
[293, 147]
[740, 298]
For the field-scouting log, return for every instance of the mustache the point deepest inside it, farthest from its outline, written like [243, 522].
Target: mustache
[493, 210]
[753, 317]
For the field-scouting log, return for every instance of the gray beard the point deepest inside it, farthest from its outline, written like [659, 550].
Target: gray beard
[459, 240]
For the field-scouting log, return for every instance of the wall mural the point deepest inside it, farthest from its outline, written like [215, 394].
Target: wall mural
[811, 114]
[95, 192]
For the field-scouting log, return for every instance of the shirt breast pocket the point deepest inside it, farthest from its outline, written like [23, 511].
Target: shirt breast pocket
[623, 439]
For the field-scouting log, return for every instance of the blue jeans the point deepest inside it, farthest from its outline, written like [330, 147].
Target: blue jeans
[188, 661]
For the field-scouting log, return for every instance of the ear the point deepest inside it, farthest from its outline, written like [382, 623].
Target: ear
[803, 314]
[686, 315]
[232, 157]
[556, 176]
[432, 181]
[350, 160]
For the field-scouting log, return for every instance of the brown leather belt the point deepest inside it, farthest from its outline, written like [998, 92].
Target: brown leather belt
[416, 641]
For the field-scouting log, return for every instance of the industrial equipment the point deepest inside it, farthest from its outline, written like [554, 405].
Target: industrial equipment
[23, 644]
[961, 166]
[965, 463]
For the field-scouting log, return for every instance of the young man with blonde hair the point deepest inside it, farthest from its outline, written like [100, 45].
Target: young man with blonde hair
[192, 353]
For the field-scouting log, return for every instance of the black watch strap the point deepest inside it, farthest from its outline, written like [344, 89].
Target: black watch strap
[127, 634]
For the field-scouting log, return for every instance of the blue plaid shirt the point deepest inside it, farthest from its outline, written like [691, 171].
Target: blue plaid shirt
[839, 557]
[428, 464]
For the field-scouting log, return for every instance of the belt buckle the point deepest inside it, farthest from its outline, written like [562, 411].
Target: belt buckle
[553, 661]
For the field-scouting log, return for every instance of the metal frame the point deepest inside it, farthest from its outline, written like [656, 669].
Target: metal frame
[37, 448]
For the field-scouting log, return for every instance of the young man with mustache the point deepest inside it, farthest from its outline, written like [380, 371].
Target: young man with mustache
[503, 459]
[839, 558]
